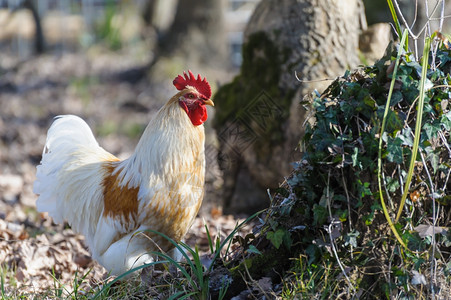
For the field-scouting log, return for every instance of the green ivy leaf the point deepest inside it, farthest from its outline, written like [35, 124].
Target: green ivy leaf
[319, 214]
[253, 249]
[276, 238]
[434, 158]
[313, 253]
[445, 120]
[364, 188]
[287, 240]
[431, 130]
[392, 184]
[406, 137]
[351, 238]
[342, 215]
[393, 123]
[368, 219]
[394, 149]
[396, 98]
[447, 242]
[368, 107]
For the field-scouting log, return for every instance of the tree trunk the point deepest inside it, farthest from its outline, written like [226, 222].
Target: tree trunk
[197, 33]
[39, 44]
[258, 117]
[159, 14]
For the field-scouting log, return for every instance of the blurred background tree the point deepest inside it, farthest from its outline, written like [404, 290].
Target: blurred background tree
[197, 33]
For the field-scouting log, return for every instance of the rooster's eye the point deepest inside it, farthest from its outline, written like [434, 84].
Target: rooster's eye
[191, 96]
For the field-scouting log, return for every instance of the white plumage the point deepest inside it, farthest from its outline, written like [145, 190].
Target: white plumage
[111, 202]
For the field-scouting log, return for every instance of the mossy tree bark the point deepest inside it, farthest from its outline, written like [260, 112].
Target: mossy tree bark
[258, 115]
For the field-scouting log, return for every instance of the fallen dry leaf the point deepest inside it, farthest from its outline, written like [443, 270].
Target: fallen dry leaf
[428, 230]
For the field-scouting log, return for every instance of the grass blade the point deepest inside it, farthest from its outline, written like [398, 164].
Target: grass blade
[230, 236]
[175, 245]
[185, 296]
[210, 242]
[196, 267]
[2, 282]
[396, 20]
[379, 159]
[177, 265]
[106, 287]
[416, 140]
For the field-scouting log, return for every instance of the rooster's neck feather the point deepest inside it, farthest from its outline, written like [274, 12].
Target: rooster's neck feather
[169, 145]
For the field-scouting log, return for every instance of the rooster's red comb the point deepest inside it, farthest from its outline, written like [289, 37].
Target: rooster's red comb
[201, 85]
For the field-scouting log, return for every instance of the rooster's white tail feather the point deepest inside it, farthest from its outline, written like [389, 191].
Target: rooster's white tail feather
[69, 130]
[69, 177]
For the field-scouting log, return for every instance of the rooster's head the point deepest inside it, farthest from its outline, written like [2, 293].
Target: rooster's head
[195, 94]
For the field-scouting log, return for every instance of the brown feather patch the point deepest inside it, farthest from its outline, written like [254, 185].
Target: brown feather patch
[118, 201]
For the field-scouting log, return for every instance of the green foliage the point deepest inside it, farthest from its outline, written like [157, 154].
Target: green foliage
[106, 31]
[336, 180]
[279, 237]
[6, 273]
[307, 280]
[82, 86]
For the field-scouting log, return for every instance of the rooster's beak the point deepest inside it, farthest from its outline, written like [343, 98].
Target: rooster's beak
[209, 102]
